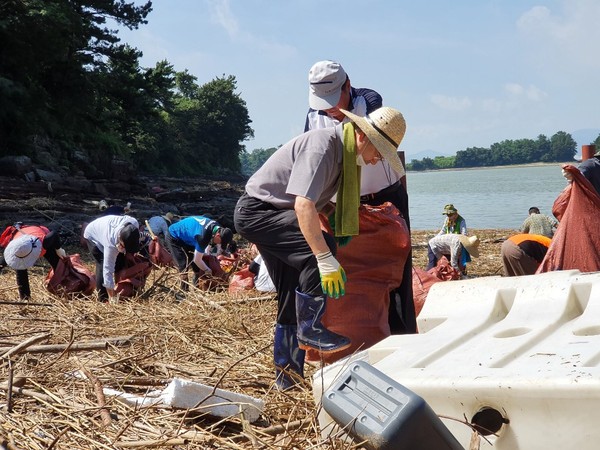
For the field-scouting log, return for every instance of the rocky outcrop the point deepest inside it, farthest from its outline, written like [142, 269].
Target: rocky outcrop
[64, 202]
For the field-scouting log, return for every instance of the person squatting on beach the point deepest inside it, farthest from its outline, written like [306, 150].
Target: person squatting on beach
[279, 212]
[538, 223]
[189, 239]
[523, 253]
[23, 245]
[454, 223]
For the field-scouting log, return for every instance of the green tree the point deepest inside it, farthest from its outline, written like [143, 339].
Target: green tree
[54, 54]
[252, 161]
[562, 147]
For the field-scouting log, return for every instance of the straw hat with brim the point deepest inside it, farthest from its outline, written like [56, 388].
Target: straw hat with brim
[168, 217]
[385, 128]
[470, 243]
[22, 253]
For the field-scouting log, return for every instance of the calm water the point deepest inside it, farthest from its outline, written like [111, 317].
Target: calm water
[486, 198]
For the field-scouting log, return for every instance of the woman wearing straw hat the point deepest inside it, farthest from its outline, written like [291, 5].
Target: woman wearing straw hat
[279, 212]
[458, 246]
[26, 245]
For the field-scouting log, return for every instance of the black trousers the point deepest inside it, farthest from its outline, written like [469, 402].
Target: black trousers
[290, 261]
[402, 317]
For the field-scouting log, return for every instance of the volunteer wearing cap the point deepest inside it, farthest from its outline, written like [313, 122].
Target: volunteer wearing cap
[108, 239]
[279, 212]
[330, 91]
[190, 238]
[159, 225]
[458, 246]
[453, 224]
[27, 244]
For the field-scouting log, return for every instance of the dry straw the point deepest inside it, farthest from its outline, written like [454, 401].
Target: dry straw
[139, 345]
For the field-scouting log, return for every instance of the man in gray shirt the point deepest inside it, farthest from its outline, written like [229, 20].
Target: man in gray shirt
[280, 214]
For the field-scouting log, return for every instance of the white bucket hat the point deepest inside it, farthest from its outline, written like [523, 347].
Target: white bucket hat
[22, 253]
[471, 244]
[326, 79]
[385, 128]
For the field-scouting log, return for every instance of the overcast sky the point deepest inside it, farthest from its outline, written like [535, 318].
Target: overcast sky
[464, 73]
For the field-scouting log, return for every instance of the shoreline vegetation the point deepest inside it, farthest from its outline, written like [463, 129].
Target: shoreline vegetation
[507, 166]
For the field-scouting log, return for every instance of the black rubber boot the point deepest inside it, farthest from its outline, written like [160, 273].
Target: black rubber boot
[288, 357]
[311, 332]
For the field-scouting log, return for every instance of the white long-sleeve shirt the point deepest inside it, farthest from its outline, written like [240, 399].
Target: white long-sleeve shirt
[104, 233]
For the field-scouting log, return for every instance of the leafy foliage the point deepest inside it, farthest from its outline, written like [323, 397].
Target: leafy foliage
[252, 161]
[560, 148]
[67, 81]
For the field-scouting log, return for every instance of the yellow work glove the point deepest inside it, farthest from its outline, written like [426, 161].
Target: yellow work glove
[333, 277]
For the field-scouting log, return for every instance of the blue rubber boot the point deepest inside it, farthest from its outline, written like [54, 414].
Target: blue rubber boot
[288, 357]
[311, 332]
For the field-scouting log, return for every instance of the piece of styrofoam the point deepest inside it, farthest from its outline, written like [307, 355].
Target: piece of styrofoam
[528, 347]
[186, 394]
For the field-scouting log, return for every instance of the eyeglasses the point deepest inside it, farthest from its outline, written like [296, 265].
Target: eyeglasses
[378, 157]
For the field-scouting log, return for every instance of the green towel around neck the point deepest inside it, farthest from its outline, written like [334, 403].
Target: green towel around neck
[348, 194]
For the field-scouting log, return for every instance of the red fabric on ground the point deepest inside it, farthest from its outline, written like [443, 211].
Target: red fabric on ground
[576, 243]
[131, 279]
[159, 255]
[241, 281]
[70, 277]
[373, 262]
[422, 280]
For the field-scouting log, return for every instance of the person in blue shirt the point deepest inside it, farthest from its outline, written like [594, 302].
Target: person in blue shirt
[190, 238]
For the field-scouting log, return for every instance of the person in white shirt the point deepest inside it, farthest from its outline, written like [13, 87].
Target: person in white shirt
[262, 280]
[108, 239]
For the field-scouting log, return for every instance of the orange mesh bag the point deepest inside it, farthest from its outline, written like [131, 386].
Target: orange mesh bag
[373, 261]
[576, 243]
[70, 278]
[131, 279]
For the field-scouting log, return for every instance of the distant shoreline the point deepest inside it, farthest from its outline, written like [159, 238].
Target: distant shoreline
[510, 166]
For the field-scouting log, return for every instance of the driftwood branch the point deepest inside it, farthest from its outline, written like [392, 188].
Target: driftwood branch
[56, 348]
[7, 352]
[99, 391]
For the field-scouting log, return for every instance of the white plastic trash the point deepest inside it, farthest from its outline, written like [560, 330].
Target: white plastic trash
[186, 394]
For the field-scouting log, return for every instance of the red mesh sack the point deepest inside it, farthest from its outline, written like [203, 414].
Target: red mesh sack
[71, 277]
[373, 261]
[218, 279]
[422, 280]
[242, 280]
[159, 255]
[576, 243]
[131, 279]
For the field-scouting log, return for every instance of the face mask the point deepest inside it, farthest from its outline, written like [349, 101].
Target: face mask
[360, 161]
